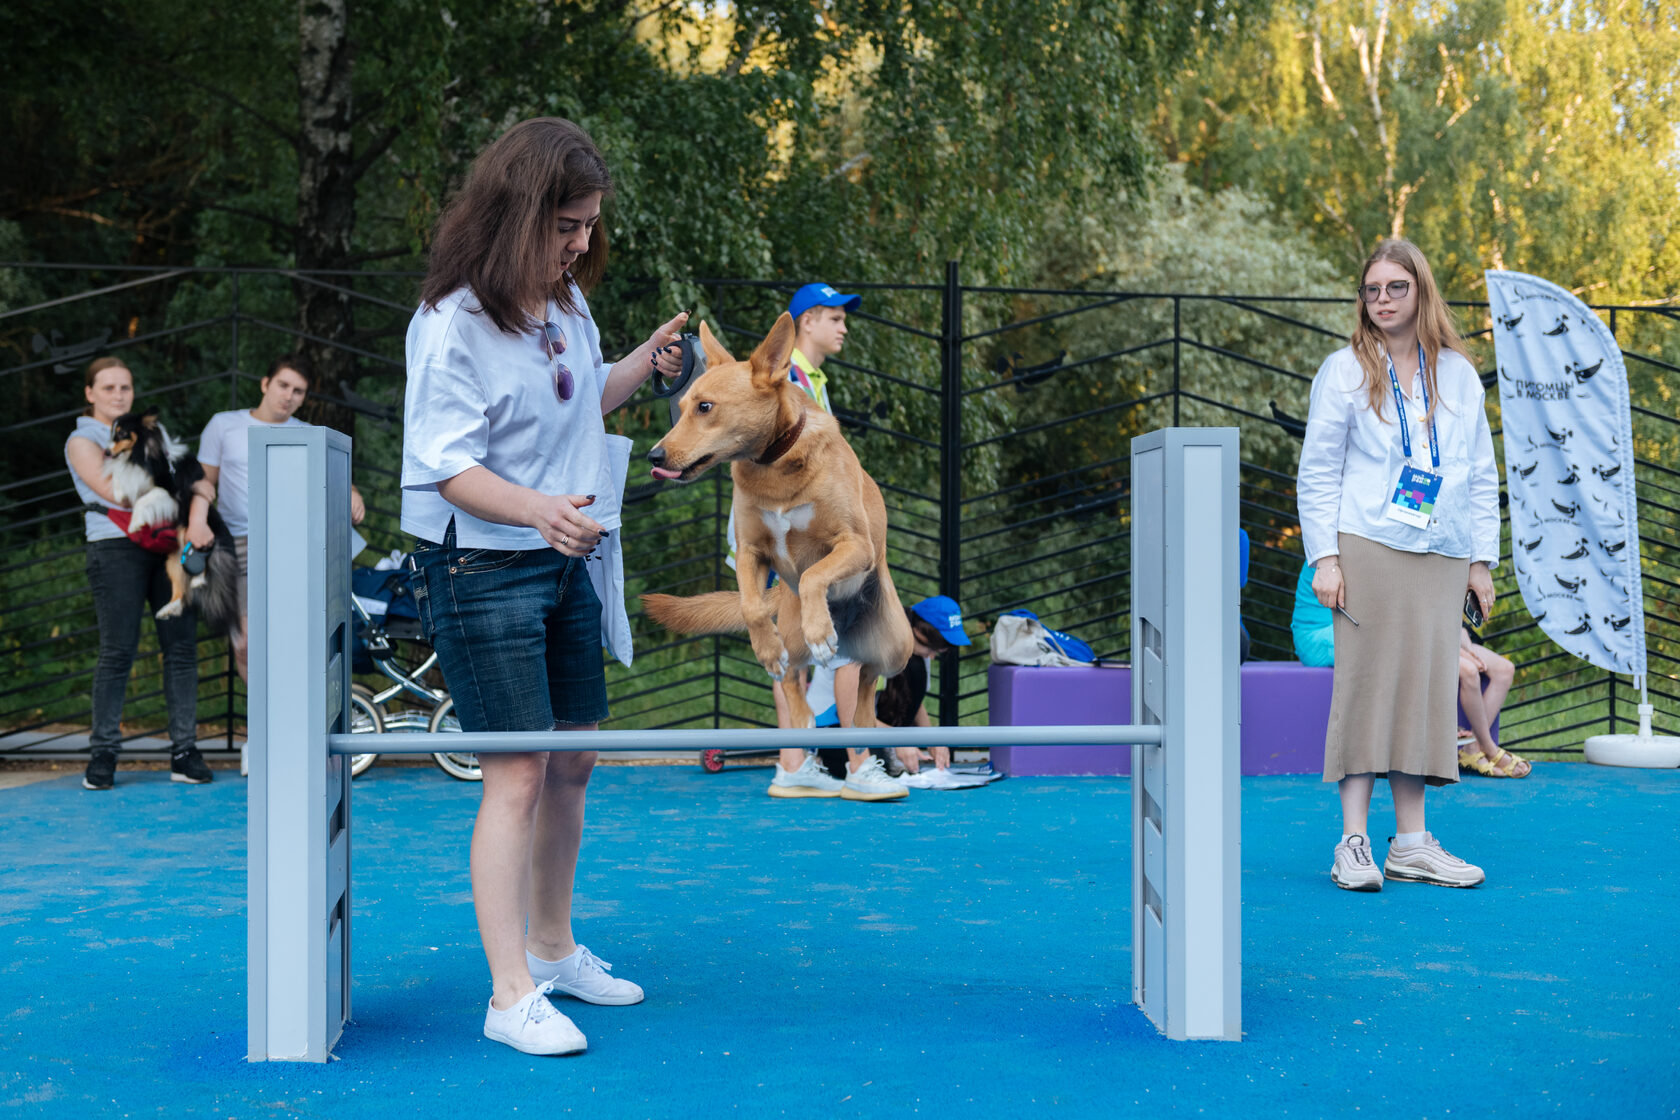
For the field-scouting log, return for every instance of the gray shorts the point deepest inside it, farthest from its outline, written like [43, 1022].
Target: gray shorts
[241, 549]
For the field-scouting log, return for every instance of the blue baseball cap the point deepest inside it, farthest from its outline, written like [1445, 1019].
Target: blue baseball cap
[942, 613]
[820, 295]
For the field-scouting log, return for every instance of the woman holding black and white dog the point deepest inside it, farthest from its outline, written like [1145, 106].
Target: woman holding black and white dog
[125, 578]
[504, 456]
[1399, 502]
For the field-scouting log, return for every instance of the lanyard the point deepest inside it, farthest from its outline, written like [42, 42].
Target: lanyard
[1400, 404]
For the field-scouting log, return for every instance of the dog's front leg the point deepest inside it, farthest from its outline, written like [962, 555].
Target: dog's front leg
[848, 556]
[177, 586]
[751, 572]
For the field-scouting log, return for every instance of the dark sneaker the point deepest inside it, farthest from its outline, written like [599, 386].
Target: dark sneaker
[189, 766]
[101, 770]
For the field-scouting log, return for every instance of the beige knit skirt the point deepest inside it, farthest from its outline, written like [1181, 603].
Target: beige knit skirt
[1394, 704]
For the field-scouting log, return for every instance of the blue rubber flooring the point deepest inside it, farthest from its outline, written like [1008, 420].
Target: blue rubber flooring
[958, 954]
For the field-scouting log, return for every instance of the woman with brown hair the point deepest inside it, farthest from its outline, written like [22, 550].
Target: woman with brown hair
[1399, 502]
[504, 449]
[124, 577]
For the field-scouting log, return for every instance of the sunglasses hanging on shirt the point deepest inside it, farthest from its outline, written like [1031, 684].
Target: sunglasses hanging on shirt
[554, 345]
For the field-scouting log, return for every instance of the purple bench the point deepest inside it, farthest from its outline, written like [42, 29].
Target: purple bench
[1285, 709]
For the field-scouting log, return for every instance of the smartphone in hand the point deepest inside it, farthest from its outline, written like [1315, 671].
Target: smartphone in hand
[1473, 610]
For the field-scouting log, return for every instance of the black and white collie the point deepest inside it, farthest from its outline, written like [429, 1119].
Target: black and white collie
[154, 474]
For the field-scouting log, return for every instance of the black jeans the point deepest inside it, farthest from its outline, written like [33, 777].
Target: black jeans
[126, 579]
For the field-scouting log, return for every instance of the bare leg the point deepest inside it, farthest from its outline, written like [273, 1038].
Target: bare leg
[501, 867]
[1356, 802]
[554, 849]
[791, 758]
[1470, 699]
[1500, 673]
[1408, 801]
[239, 640]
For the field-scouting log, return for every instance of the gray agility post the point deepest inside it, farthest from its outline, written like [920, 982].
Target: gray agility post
[1186, 926]
[1186, 792]
[298, 922]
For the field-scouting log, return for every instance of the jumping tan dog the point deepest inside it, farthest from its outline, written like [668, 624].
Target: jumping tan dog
[805, 508]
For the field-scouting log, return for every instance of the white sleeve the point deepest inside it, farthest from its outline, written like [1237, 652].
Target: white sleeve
[446, 422]
[1318, 480]
[1484, 489]
[210, 443]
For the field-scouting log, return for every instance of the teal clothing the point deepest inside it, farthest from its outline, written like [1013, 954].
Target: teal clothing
[1315, 634]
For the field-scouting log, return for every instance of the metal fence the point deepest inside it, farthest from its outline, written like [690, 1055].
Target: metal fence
[996, 420]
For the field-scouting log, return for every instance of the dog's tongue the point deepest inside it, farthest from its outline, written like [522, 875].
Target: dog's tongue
[666, 473]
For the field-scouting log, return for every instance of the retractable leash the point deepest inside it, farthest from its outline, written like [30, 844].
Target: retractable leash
[693, 365]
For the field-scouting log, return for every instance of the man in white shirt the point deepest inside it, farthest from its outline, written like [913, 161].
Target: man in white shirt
[224, 451]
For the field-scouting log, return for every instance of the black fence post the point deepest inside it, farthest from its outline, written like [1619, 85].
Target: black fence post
[950, 471]
[1177, 333]
[230, 676]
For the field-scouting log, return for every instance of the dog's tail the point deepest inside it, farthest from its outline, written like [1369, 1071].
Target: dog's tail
[217, 598]
[716, 612]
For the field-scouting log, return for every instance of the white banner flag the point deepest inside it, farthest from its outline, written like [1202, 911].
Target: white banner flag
[1568, 430]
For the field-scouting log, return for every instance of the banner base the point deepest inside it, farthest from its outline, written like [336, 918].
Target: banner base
[1654, 752]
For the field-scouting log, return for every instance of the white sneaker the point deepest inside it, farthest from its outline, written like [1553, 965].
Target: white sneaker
[869, 782]
[812, 779]
[583, 975]
[1353, 869]
[533, 1026]
[1428, 862]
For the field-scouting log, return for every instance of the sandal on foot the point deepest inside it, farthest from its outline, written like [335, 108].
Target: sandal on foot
[1505, 766]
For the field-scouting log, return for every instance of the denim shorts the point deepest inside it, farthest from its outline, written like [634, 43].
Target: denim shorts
[517, 634]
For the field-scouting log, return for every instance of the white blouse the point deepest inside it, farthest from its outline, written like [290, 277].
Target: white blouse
[1351, 460]
[480, 397]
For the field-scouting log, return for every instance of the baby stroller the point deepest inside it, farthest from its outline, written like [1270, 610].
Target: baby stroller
[389, 641]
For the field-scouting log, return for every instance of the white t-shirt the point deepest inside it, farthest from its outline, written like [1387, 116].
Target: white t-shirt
[226, 445]
[478, 396]
[1351, 460]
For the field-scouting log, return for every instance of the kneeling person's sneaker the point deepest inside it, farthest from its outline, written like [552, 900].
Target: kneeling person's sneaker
[810, 780]
[533, 1026]
[583, 975]
[1354, 870]
[1428, 862]
[870, 783]
[101, 770]
[188, 765]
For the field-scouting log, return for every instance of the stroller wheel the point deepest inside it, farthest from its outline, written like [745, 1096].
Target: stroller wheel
[457, 764]
[711, 760]
[364, 718]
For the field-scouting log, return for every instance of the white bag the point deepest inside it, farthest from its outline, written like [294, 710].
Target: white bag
[1018, 640]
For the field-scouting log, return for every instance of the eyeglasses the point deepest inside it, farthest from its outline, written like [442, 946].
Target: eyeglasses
[1397, 289]
[554, 345]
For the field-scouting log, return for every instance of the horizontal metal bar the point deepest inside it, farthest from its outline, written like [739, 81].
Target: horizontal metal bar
[499, 742]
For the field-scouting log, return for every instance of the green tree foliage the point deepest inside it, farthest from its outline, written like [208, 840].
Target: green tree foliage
[1520, 134]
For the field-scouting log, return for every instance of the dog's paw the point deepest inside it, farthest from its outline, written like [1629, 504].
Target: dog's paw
[823, 649]
[171, 609]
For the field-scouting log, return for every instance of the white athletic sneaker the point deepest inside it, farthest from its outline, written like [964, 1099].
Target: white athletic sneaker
[1354, 870]
[1428, 862]
[812, 779]
[869, 782]
[533, 1026]
[583, 975]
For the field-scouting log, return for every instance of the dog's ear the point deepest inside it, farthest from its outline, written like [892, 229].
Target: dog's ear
[716, 355]
[149, 418]
[770, 361]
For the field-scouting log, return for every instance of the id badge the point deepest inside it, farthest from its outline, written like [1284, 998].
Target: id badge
[1414, 497]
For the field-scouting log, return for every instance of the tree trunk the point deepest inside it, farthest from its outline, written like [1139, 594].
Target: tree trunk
[326, 208]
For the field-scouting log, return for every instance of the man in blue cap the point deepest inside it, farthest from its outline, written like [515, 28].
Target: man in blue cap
[936, 626]
[819, 331]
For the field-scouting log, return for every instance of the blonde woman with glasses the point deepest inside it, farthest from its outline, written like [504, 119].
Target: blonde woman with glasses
[1399, 502]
